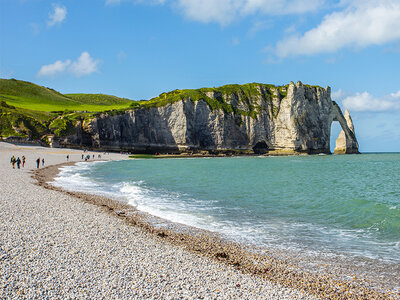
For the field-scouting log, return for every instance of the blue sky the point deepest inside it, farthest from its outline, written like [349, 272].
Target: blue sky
[141, 48]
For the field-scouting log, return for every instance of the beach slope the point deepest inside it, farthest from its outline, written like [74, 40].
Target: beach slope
[53, 245]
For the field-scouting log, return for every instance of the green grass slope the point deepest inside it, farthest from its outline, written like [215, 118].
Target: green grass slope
[27, 95]
[29, 110]
[100, 99]
[30, 96]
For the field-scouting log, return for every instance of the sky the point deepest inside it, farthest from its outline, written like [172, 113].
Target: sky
[140, 48]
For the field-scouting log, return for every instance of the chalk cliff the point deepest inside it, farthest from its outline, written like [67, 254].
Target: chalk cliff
[343, 144]
[254, 118]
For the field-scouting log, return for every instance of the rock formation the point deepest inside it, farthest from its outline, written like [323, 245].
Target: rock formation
[291, 119]
[343, 144]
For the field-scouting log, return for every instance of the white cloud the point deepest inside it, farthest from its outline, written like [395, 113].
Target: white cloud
[281, 7]
[57, 16]
[226, 11]
[84, 65]
[361, 24]
[338, 95]
[54, 68]
[260, 26]
[222, 11]
[366, 102]
[395, 95]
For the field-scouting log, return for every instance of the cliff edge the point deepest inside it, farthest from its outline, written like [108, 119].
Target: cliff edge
[252, 118]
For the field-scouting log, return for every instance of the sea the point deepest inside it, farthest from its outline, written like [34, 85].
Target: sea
[339, 204]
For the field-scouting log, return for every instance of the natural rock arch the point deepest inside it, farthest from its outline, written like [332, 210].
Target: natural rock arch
[303, 124]
[346, 143]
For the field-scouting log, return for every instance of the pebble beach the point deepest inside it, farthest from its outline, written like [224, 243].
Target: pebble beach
[55, 244]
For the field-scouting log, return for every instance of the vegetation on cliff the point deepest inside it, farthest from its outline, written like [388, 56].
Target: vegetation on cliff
[101, 100]
[29, 110]
[21, 122]
[243, 99]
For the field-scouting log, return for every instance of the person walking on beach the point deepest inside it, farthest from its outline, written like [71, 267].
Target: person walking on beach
[82, 156]
[23, 161]
[38, 163]
[42, 162]
[13, 161]
[67, 157]
[18, 162]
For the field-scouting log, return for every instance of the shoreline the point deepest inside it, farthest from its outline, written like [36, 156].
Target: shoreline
[282, 271]
[173, 153]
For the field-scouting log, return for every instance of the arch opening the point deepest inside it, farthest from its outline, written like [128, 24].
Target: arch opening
[336, 128]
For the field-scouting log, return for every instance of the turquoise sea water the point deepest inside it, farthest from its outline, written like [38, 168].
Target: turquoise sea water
[346, 204]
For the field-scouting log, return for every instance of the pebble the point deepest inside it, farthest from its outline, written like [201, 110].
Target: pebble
[55, 246]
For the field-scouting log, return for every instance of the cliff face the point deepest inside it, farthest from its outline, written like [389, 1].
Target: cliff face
[343, 144]
[291, 119]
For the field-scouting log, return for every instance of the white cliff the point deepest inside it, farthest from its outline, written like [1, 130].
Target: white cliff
[343, 144]
[295, 118]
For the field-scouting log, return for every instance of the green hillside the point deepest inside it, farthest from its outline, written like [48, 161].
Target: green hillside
[22, 122]
[100, 99]
[27, 95]
[30, 110]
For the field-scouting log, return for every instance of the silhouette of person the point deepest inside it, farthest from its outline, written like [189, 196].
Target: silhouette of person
[13, 161]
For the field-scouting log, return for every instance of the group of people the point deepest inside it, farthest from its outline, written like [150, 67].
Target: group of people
[38, 162]
[87, 157]
[18, 161]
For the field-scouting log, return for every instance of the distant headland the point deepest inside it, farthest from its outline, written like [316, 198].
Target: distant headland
[233, 119]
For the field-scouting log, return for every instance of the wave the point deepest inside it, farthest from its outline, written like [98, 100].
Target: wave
[210, 214]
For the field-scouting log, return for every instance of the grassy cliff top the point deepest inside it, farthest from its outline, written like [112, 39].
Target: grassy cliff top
[247, 90]
[100, 99]
[215, 97]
